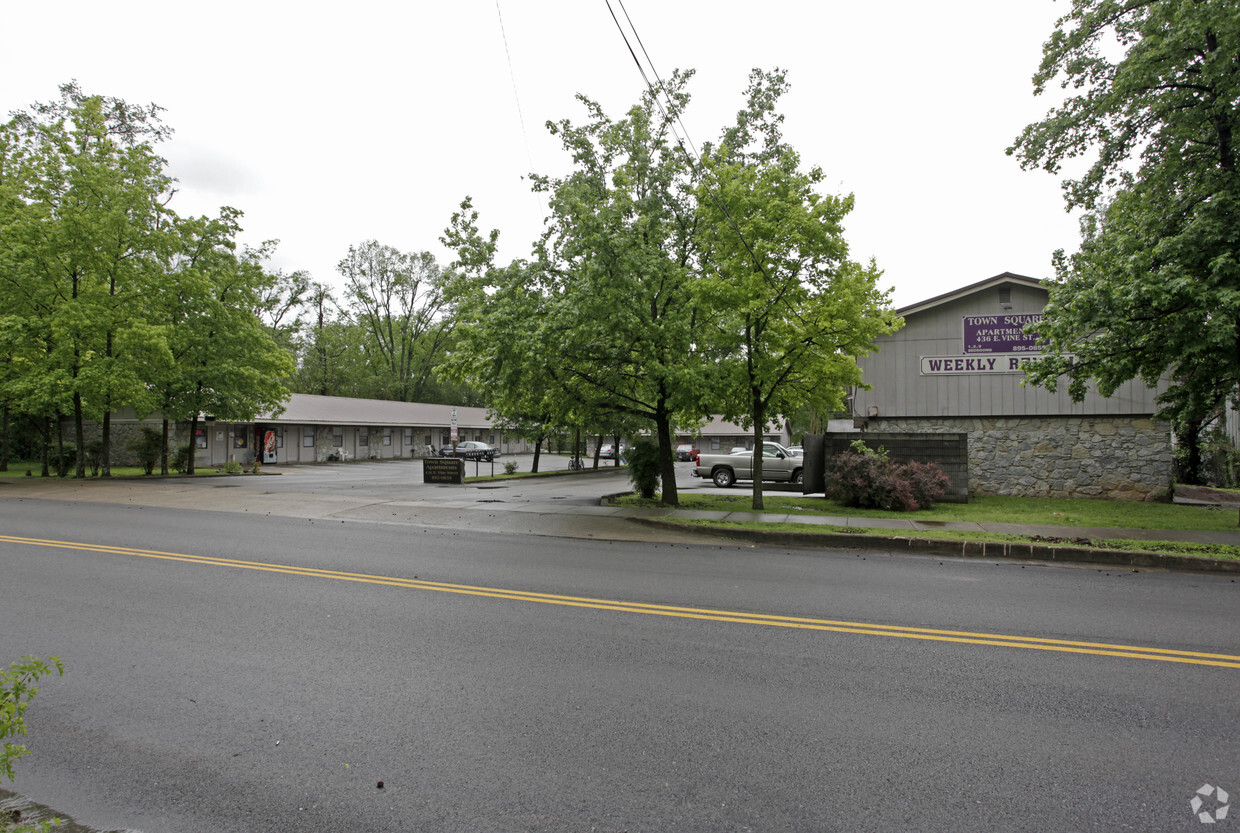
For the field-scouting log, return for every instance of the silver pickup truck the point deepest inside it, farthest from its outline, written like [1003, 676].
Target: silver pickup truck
[778, 464]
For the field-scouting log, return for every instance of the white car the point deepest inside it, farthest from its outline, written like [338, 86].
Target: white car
[471, 450]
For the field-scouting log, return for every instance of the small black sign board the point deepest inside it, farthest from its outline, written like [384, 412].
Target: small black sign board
[443, 470]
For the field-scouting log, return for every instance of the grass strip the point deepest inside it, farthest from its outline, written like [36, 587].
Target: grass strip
[1120, 514]
[1160, 547]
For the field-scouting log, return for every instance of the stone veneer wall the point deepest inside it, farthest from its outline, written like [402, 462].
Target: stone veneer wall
[1119, 457]
[124, 434]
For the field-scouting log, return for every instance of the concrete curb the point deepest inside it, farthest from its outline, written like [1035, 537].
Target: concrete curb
[962, 549]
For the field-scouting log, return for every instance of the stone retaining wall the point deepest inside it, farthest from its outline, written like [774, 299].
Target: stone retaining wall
[1118, 457]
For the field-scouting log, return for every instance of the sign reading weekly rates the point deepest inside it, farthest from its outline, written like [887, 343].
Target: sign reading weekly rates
[1000, 333]
[959, 365]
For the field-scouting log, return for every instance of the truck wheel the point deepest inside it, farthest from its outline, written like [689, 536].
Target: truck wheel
[798, 477]
[723, 478]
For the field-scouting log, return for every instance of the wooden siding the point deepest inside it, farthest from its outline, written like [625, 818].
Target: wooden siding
[901, 390]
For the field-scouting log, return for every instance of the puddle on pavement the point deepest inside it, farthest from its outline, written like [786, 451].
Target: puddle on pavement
[31, 814]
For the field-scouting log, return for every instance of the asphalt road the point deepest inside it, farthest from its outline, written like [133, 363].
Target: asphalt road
[497, 679]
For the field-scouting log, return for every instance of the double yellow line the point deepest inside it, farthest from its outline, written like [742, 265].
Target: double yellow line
[835, 626]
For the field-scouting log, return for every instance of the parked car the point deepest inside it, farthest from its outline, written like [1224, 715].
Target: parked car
[471, 450]
[608, 452]
[685, 453]
[726, 469]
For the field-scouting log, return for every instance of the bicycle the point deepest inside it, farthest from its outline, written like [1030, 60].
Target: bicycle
[574, 462]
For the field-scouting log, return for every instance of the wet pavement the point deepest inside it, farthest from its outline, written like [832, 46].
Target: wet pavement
[392, 492]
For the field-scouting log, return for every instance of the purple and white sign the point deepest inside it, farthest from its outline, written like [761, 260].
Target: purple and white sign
[1000, 333]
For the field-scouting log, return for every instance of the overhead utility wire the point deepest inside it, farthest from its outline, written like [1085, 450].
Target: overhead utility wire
[694, 158]
[513, 77]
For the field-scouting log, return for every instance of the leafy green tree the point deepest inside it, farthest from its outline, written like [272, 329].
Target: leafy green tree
[282, 301]
[325, 347]
[397, 300]
[618, 261]
[1154, 291]
[92, 222]
[228, 364]
[784, 310]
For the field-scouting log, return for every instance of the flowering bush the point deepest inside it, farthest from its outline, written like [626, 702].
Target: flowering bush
[865, 478]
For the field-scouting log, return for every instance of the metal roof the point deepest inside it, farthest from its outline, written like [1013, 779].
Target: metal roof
[997, 280]
[311, 409]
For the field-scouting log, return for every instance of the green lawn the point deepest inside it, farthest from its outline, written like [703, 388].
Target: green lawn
[1171, 547]
[1095, 513]
[19, 469]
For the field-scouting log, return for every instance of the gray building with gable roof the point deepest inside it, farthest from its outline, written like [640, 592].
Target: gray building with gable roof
[956, 367]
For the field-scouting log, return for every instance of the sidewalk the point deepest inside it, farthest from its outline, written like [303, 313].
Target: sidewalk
[563, 508]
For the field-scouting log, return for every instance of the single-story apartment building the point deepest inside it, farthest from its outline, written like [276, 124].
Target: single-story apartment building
[717, 435]
[315, 429]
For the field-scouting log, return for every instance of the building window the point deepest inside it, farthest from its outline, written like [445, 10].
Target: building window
[200, 438]
[307, 436]
[363, 437]
[714, 444]
[387, 436]
[409, 437]
[239, 437]
[338, 437]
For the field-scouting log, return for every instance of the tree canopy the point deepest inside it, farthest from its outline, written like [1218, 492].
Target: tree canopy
[109, 299]
[665, 290]
[784, 311]
[1154, 291]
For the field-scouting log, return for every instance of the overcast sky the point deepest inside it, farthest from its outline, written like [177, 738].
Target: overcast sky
[331, 124]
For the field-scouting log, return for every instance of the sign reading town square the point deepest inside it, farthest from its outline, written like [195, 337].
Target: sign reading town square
[1000, 333]
[964, 365]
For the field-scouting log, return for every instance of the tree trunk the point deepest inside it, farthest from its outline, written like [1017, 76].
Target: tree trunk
[79, 435]
[105, 453]
[4, 438]
[667, 464]
[598, 447]
[617, 448]
[47, 443]
[163, 451]
[193, 446]
[1191, 437]
[537, 452]
[759, 424]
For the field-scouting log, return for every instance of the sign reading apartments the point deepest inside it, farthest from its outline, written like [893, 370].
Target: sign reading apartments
[992, 344]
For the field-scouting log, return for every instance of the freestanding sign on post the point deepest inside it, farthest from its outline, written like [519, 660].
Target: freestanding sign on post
[453, 434]
[443, 470]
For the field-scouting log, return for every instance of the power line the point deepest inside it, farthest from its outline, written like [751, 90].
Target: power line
[694, 158]
[513, 77]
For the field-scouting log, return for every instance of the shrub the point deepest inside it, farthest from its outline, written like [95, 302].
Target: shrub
[180, 460]
[232, 467]
[148, 448]
[17, 686]
[93, 452]
[64, 463]
[510, 467]
[866, 479]
[643, 461]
